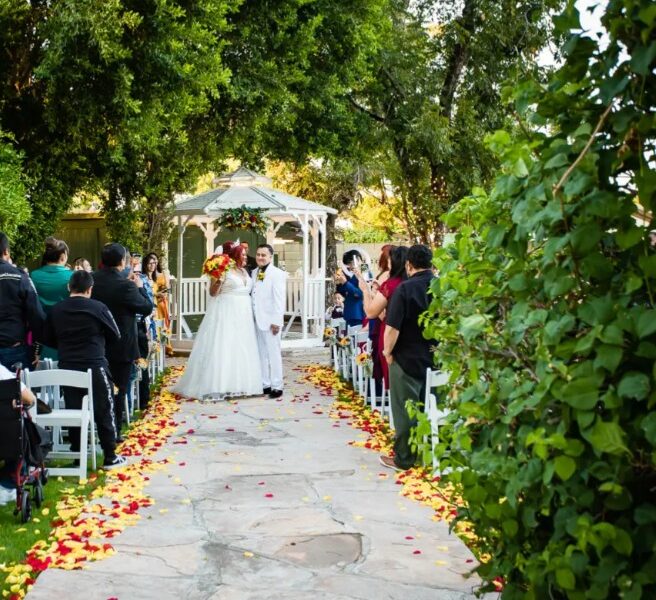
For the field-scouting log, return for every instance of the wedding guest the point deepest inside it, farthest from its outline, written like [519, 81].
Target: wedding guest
[20, 310]
[407, 352]
[82, 264]
[80, 328]
[375, 303]
[336, 311]
[347, 286]
[161, 283]
[51, 281]
[251, 262]
[126, 298]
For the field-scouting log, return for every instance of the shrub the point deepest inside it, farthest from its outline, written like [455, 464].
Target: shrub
[544, 315]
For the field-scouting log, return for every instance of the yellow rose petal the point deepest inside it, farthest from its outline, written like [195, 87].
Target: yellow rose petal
[248, 554]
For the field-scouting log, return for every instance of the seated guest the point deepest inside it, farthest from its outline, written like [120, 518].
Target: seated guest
[79, 328]
[26, 394]
[347, 286]
[20, 311]
[126, 298]
[51, 280]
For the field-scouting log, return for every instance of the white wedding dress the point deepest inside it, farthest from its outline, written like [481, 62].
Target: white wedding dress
[225, 359]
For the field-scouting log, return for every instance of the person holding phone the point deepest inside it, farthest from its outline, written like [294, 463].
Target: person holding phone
[161, 288]
[347, 286]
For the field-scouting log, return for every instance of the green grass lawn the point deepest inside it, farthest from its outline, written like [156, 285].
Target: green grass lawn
[17, 538]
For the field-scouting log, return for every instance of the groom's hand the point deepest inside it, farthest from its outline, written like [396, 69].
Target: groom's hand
[275, 329]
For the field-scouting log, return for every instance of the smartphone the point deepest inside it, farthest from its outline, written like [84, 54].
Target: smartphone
[136, 261]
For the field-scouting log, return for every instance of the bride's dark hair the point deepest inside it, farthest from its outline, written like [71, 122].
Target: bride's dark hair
[234, 251]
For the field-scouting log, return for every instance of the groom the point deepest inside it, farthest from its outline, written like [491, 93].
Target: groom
[269, 291]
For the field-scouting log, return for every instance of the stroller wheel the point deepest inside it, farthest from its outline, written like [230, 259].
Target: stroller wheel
[26, 506]
[38, 493]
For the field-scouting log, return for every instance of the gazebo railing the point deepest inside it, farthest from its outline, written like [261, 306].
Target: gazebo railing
[194, 296]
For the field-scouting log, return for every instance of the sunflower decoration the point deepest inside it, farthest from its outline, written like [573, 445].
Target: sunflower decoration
[344, 343]
[244, 218]
[330, 335]
[365, 361]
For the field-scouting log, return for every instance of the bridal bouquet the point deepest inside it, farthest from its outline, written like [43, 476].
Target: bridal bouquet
[217, 265]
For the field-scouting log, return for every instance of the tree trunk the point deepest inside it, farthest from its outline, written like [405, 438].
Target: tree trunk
[331, 259]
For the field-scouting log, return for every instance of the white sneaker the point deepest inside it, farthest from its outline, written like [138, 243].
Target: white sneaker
[118, 461]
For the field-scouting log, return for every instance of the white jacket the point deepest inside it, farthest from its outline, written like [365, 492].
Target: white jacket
[269, 297]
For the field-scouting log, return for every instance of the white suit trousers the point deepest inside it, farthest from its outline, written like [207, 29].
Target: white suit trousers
[270, 358]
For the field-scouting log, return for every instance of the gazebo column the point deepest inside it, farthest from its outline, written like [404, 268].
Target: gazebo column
[209, 231]
[181, 230]
[306, 267]
[322, 270]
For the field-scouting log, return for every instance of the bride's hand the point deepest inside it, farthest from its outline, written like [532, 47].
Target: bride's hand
[215, 286]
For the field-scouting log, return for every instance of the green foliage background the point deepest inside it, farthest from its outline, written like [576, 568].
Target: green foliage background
[14, 207]
[544, 315]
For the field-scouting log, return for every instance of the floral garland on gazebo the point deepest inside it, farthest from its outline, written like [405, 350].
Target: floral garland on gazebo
[245, 218]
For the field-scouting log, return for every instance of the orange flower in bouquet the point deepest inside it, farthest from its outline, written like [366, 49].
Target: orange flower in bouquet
[217, 265]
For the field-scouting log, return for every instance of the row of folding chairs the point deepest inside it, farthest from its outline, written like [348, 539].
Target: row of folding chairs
[373, 392]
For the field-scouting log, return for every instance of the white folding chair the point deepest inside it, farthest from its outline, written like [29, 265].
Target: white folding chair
[339, 325]
[435, 416]
[362, 346]
[82, 418]
[357, 336]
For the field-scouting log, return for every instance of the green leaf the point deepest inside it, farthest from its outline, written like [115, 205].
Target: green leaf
[647, 323]
[648, 425]
[581, 393]
[472, 325]
[622, 542]
[608, 357]
[559, 160]
[565, 579]
[634, 385]
[607, 437]
[642, 57]
[645, 514]
[565, 467]
[629, 237]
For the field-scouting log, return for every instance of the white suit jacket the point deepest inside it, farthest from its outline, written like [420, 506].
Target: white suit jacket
[269, 297]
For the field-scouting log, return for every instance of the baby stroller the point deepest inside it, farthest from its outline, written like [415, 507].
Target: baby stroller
[24, 446]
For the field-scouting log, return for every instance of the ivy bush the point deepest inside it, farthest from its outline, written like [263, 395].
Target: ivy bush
[544, 316]
[14, 208]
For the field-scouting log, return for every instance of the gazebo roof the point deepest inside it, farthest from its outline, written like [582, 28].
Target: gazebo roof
[234, 194]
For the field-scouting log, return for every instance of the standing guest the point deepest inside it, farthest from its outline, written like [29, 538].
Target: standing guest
[407, 352]
[376, 303]
[126, 298]
[82, 264]
[20, 310]
[80, 328]
[347, 286]
[251, 263]
[51, 281]
[161, 288]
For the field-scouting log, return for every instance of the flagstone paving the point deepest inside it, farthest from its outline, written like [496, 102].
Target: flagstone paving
[267, 500]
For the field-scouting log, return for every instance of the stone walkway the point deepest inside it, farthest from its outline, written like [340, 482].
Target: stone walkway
[272, 502]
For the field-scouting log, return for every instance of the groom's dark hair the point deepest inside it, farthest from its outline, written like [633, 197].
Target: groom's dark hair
[269, 247]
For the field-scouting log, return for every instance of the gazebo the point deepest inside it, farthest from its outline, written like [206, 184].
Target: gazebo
[305, 310]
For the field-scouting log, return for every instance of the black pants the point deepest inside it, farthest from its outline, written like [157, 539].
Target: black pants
[144, 383]
[103, 410]
[121, 377]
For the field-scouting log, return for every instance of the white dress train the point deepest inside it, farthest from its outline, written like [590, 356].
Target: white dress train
[225, 359]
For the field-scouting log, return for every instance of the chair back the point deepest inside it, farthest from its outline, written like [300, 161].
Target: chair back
[53, 377]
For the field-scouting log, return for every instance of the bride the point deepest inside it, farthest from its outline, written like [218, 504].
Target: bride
[225, 360]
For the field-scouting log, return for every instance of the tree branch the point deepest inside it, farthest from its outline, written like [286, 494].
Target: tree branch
[366, 111]
[583, 152]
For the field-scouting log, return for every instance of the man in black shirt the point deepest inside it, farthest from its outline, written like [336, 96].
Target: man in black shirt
[79, 327]
[126, 298]
[407, 352]
[20, 311]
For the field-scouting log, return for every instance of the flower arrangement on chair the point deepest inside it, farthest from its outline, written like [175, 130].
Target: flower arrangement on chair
[245, 218]
[365, 361]
[217, 266]
[330, 335]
